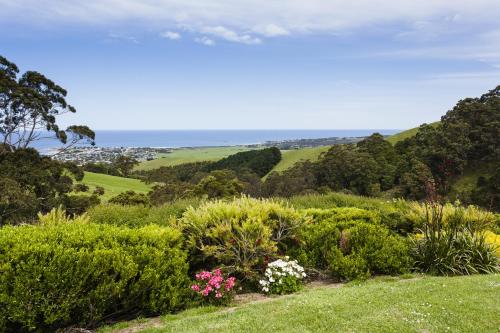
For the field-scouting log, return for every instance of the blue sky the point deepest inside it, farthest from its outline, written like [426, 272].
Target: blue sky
[215, 64]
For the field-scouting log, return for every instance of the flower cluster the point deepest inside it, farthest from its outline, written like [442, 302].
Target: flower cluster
[282, 277]
[214, 287]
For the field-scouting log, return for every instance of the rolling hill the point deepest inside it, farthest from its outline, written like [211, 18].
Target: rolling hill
[187, 155]
[114, 185]
[290, 157]
[406, 134]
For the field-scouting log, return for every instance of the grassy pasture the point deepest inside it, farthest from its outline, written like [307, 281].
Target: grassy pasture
[384, 304]
[114, 185]
[187, 155]
[406, 134]
[290, 157]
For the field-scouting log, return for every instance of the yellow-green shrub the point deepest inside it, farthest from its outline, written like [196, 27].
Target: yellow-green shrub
[59, 274]
[138, 215]
[392, 213]
[239, 234]
[343, 214]
[473, 216]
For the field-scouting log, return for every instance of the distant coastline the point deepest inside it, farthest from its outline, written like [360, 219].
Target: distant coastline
[208, 138]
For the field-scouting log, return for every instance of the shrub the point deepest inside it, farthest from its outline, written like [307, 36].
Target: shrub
[58, 216]
[351, 249]
[138, 216]
[366, 249]
[282, 277]
[453, 242]
[130, 198]
[59, 273]
[343, 214]
[393, 214]
[240, 234]
[214, 288]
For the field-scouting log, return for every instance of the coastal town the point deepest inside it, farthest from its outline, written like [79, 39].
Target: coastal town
[86, 154]
[83, 155]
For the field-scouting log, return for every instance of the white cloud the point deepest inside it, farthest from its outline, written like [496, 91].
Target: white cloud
[271, 30]
[205, 41]
[126, 38]
[252, 15]
[171, 35]
[230, 35]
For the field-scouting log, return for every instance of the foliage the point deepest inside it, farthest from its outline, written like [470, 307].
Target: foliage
[214, 288]
[100, 167]
[29, 107]
[59, 216]
[351, 248]
[258, 161]
[299, 179]
[219, 184]
[79, 204]
[60, 274]
[171, 192]
[124, 164]
[32, 183]
[99, 190]
[282, 276]
[454, 242]
[240, 234]
[487, 192]
[393, 213]
[130, 198]
[79, 187]
[173, 174]
[139, 216]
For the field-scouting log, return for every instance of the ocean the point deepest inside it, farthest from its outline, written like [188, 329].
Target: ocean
[207, 138]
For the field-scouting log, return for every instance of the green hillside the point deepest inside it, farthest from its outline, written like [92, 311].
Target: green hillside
[114, 185]
[385, 304]
[406, 134]
[187, 155]
[290, 157]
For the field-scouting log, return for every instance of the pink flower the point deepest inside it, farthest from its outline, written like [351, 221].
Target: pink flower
[218, 295]
[195, 287]
[205, 292]
[203, 275]
[230, 282]
[217, 272]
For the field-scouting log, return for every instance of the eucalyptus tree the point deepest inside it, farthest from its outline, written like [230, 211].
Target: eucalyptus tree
[30, 105]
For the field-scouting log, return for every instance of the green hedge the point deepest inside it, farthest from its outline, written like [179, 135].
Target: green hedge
[138, 216]
[77, 273]
[351, 248]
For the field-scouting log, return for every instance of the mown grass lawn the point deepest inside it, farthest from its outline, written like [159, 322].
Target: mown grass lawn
[385, 304]
[114, 185]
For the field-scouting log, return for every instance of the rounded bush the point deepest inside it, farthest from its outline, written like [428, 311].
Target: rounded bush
[351, 249]
[59, 274]
[241, 234]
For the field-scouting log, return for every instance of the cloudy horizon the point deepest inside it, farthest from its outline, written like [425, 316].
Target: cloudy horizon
[257, 64]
